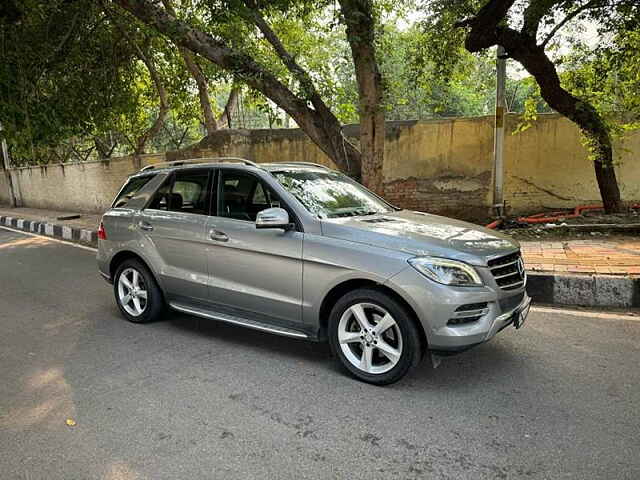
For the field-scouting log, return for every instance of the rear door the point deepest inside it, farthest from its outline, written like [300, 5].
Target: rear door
[175, 223]
[253, 273]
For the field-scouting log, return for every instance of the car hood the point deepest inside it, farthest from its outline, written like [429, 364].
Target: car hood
[418, 233]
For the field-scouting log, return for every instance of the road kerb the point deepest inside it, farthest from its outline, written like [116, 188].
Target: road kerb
[63, 232]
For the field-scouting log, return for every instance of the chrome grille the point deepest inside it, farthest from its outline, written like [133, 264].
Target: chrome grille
[508, 271]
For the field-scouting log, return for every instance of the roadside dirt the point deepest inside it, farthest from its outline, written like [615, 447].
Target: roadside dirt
[588, 226]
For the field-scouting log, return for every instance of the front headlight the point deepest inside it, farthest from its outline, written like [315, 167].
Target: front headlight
[447, 272]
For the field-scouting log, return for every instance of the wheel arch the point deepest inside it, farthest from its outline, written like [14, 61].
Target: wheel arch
[123, 255]
[349, 285]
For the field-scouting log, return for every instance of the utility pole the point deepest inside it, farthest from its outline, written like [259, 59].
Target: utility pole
[7, 173]
[498, 139]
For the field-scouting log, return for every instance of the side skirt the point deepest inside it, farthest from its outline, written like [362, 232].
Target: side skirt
[223, 317]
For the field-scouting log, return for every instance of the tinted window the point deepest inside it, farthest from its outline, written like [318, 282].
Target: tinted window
[130, 189]
[190, 192]
[243, 195]
[187, 191]
[161, 198]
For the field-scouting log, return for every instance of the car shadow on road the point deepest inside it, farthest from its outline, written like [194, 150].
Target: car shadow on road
[249, 338]
[495, 359]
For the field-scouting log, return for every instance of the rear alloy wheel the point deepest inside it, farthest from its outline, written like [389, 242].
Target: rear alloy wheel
[374, 336]
[137, 293]
[132, 292]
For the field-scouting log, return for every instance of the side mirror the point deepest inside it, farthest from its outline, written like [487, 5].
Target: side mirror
[273, 218]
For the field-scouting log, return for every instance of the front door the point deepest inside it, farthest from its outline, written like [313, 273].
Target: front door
[255, 273]
[175, 222]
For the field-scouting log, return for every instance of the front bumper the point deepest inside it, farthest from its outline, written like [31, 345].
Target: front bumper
[460, 341]
[436, 304]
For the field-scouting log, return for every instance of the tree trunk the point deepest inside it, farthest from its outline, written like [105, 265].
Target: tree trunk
[487, 30]
[534, 59]
[358, 17]
[141, 141]
[224, 121]
[5, 165]
[210, 124]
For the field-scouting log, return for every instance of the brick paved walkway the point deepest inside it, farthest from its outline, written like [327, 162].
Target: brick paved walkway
[614, 257]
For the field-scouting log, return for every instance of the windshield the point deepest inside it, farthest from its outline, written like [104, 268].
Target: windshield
[329, 194]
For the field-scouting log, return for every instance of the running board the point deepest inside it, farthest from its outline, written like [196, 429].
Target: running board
[223, 317]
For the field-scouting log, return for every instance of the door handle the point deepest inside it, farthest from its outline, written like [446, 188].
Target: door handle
[218, 236]
[145, 226]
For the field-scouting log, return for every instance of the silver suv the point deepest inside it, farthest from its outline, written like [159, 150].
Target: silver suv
[300, 250]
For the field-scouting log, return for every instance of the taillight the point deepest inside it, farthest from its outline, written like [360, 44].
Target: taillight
[102, 234]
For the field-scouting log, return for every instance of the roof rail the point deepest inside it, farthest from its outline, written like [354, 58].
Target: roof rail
[306, 163]
[176, 163]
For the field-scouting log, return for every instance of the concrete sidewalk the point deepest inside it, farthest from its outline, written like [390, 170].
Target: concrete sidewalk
[599, 272]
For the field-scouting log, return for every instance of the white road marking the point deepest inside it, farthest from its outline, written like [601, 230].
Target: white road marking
[84, 247]
[635, 316]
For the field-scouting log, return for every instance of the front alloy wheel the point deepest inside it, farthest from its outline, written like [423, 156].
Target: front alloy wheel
[374, 336]
[370, 338]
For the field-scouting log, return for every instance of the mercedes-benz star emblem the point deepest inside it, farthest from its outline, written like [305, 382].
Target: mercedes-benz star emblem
[521, 267]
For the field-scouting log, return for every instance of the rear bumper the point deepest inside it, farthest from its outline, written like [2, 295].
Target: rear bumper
[103, 260]
[106, 277]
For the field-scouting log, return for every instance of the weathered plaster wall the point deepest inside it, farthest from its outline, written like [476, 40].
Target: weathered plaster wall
[4, 189]
[83, 187]
[547, 166]
[442, 166]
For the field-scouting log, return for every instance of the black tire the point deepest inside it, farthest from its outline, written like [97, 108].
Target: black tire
[411, 338]
[154, 305]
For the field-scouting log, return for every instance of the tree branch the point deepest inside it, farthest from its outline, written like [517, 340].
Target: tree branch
[484, 25]
[324, 130]
[534, 13]
[299, 73]
[164, 102]
[569, 17]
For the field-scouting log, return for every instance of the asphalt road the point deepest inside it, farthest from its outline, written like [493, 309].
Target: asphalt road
[186, 398]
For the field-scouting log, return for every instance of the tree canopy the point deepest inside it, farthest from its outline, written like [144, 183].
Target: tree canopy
[85, 79]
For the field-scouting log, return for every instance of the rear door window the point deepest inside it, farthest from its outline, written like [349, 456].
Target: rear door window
[130, 189]
[191, 192]
[187, 191]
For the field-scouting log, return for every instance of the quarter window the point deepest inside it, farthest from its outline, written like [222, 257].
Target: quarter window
[130, 189]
